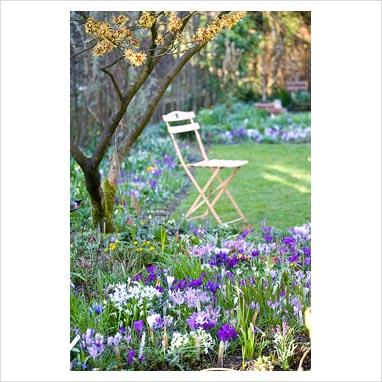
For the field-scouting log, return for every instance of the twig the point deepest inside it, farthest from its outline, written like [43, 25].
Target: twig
[83, 51]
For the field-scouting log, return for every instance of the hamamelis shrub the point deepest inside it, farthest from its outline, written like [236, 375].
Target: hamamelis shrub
[118, 34]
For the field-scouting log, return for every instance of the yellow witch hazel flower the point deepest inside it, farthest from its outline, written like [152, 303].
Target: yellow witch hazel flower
[102, 47]
[175, 23]
[207, 33]
[135, 58]
[120, 20]
[147, 20]
[159, 40]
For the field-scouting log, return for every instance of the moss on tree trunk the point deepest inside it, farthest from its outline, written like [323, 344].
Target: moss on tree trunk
[102, 214]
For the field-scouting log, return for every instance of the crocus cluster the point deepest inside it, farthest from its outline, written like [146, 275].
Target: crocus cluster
[275, 133]
[204, 319]
[121, 294]
[93, 343]
[192, 297]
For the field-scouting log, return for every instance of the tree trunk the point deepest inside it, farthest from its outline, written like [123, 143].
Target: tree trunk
[102, 200]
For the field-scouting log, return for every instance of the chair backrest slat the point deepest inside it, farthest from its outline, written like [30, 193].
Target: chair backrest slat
[176, 116]
[183, 128]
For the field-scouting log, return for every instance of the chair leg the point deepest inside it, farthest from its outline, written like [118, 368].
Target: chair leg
[203, 196]
[195, 205]
[233, 202]
[222, 188]
[236, 206]
[224, 185]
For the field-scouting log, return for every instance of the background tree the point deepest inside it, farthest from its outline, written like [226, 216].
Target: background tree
[133, 47]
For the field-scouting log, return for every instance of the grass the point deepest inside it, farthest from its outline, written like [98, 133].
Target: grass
[273, 187]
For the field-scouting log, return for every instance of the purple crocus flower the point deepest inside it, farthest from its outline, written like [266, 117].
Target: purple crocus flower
[151, 269]
[255, 253]
[194, 297]
[293, 258]
[306, 251]
[96, 308]
[212, 287]
[245, 233]
[232, 262]
[93, 344]
[229, 274]
[138, 326]
[130, 357]
[273, 304]
[289, 240]
[114, 341]
[122, 330]
[267, 234]
[169, 161]
[179, 284]
[177, 297]
[295, 304]
[221, 257]
[204, 319]
[213, 262]
[157, 172]
[273, 274]
[138, 277]
[159, 323]
[153, 183]
[195, 283]
[150, 278]
[226, 332]
[255, 306]
[94, 350]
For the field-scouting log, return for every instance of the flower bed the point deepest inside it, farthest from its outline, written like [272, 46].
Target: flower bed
[243, 122]
[208, 300]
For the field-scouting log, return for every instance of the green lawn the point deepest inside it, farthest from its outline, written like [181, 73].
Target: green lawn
[274, 186]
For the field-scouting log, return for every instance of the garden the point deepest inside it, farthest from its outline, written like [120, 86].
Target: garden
[151, 289]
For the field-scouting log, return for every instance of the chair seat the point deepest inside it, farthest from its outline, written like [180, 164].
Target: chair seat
[218, 163]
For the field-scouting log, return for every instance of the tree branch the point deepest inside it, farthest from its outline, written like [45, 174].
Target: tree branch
[83, 51]
[78, 155]
[115, 84]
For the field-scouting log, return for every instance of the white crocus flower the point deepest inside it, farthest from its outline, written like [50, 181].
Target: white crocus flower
[152, 319]
[170, 280]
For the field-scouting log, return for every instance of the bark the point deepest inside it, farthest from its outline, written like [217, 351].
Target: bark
[100, 197]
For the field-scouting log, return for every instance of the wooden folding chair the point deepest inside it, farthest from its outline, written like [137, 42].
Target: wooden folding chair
[214, 165]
